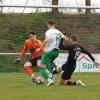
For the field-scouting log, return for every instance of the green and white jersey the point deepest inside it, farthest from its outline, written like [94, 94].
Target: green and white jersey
[54, 37]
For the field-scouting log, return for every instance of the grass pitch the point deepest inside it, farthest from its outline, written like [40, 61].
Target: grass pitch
[18, 86]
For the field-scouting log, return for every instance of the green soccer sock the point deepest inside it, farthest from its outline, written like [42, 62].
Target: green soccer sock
[44, 73]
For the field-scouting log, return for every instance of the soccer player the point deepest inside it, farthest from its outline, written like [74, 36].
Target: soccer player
[51, 44]
[74, 51]
[31, 44]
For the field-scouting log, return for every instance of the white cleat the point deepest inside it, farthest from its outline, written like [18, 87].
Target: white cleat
[79, 82]
[52, 77]
[50, 82]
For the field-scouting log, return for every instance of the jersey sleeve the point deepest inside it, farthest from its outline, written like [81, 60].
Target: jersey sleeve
[24, 50]
[88, 53]
[64, 47]
[39, 43]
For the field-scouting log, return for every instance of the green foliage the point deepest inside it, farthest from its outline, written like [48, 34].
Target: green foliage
[14, 28]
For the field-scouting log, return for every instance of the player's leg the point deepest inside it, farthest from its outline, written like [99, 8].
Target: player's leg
[51, 75]
[68, 82]
[64, 82]
[34, 64]
[45, 74]
[47, 62]
[51, 57]
[43, 66]
[57, 70]
[28, 69]
[38, 64]
[66, 75]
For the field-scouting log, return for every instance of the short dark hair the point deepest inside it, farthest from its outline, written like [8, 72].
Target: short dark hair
[51, 22]
[33, 33]
[74, 37]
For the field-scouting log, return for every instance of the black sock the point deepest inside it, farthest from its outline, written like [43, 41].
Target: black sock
[54, 72]
[70, 83]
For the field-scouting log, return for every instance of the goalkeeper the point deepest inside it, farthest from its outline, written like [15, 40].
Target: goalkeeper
[31, 44]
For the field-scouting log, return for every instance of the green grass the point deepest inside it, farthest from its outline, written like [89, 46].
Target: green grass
[18, 86]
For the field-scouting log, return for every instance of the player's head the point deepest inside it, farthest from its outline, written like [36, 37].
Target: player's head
[74, 38]
[51, 23]
[32, 35]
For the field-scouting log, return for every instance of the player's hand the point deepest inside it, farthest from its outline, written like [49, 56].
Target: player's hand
[38, 49]
[17, 61]
[97, 65]
[64, 37]
[59, 69]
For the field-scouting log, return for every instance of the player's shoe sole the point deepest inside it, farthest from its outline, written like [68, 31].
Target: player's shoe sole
[79, 82]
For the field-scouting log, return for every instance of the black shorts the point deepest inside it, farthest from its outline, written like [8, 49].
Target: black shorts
[34, 61]
[68, 69]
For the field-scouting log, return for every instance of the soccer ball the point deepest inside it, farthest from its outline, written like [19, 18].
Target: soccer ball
[39, 80]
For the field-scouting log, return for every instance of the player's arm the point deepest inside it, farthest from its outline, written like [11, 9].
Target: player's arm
[40, 44]
[64, 37]
[88, 53]
[23, 51]
[46, 40]
[62, 46]
[16, 61]
[97, 64]
[92, 58]
[43, 44]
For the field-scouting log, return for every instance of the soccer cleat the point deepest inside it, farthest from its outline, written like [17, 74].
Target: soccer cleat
[50, 82]
[79, 82]
[34, 80]
[52, 77]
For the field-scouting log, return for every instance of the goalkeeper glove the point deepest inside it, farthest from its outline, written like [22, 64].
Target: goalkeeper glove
[38, 49]
[17, 61]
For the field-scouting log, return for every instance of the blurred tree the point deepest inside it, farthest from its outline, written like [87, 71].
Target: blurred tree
[55, 10]
[1, 8]
[88, 3]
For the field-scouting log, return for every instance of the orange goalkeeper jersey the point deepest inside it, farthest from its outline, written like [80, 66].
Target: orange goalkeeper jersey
[32, 46]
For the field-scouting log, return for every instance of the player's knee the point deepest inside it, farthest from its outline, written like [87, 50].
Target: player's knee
[39, 63]
[62, 82]
[27, 64]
